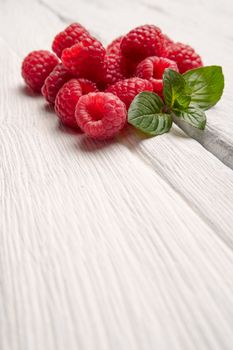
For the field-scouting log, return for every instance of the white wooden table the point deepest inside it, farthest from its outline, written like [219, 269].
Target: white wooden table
[123, 245]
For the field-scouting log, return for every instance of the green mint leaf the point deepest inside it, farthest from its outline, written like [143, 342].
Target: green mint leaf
[174, 90]
[193, 116]
[205, 85]
[146, 114]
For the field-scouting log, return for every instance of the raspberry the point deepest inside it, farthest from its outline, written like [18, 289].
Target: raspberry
[85, 59]
[143, 42]
[72, 35]
[128, 67]
[185, 57]
[114, 47]
[113, 63]
[87, 86]
[36, 66]
[152, 69]
[127, 89]
[56, 79]
[120, 66]
[100, 115]
[68, 97]
[167, 41]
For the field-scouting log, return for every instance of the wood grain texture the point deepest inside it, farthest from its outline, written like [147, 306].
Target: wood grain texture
[120, 245]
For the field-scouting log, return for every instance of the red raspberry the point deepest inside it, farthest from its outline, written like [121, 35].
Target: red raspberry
[185, 57]
[36, 67]
[125, 67]
[143, 42]
[127, 89]
[167, 41]
[128, 67]
[100, 115]
[72, 35]
[114, 47]
[68, 97]
[56, 79]
[85, 59]
[113, 63]
[87, 86]
[152, 69]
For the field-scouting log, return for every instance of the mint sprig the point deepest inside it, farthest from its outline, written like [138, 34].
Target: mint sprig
[193, 116]
[174, 90]
[186, 96]
[205, 85]
[146, 113]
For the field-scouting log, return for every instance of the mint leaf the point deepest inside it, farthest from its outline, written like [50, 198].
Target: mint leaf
[205, 85]
[174, 90]
[146, 114]
[193, 116]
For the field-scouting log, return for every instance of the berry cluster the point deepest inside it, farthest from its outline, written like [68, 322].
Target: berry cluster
[92, 87]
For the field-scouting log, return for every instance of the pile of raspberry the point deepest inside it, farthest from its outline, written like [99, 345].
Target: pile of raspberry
[92, 87]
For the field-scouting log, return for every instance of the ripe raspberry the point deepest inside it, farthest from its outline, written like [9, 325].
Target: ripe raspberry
[152, 69]
[167, 41]
[113, 64]
[85, 59]
[87, 86]
[125, 67]
[72, 35]
[142, 42]
[114, 47]
[68, 97]
[56, 79]
[100, 115]
[36, 66]
[127, 89]
[185, 57]
[128, 67]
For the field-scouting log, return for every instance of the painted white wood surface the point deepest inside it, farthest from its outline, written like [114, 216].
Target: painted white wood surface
[121, 245]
